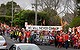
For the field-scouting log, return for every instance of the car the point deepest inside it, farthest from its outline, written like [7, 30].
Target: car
[3, 43]
[24, 46]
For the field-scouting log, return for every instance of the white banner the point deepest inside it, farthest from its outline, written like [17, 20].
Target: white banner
[48, 28]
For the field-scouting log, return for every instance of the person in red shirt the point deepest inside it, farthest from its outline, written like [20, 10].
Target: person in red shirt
[66, 43]
[60, 41]
[27, 36]
[66, 37]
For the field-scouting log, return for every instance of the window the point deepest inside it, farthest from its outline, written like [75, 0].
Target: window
[28, 47]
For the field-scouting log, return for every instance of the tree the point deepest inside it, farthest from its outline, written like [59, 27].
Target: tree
[3, 17]
[9, 8]
[6, 11]
[29, 16]
[59, 8]
[75, 22]
[43, 18]
[51, 7]
[49, 4]
[68, 17]
[2, 10]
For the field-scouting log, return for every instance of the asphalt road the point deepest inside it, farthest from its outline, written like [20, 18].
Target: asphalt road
[54, 48]
[9, 42]
[43, 47]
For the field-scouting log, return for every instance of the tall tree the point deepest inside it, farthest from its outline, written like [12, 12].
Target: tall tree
[50, 6]
[2, 10]
[29, 16]
[68, 10]
[6, 11]
[9, 7]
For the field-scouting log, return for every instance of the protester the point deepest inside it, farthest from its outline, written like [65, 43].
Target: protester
[59, 38]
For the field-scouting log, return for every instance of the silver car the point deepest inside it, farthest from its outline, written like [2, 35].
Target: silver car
[3, 43]
[24, 46]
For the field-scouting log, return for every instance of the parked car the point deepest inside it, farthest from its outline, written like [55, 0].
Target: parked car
[3, 43]
[24, 46]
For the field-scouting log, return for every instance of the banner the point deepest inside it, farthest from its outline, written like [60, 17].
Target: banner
[47, 28]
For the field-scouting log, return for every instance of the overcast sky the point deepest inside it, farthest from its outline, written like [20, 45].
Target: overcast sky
[25, 4]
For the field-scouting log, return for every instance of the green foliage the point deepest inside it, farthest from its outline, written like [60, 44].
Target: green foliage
[55, 20]
[65, 28]
[6, 12]
[2, 19]
[43, 16]
[52, 17]
[7, 19]
[29, 16]
[21, 17]
[75, 22]
[9, 8]
[2, 9]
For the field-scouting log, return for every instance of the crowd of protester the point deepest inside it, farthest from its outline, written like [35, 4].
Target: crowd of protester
[59, 38]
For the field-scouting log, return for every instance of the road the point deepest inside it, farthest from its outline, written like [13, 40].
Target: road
[54, 48]
[43, 47]
[9, 42]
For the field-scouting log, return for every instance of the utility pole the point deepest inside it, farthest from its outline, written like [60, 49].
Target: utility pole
[36, 12]
[35, 4]
[12, 13]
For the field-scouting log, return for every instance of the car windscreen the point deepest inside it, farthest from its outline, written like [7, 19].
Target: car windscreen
[28, 47]
[1, 38]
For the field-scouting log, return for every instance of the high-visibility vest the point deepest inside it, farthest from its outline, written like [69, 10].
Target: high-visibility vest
[16, 33]
[11, 32]
[19, 34]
